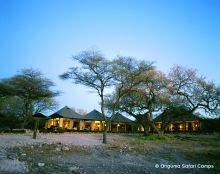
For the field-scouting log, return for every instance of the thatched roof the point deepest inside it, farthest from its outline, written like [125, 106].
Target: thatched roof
[66, 112]
[97, 116]
[188, 117]
[120, 118]
[94, 115]
[39, 115]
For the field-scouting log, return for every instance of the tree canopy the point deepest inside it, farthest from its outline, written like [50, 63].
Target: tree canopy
[140, 90]
[33, 89]
[194, 92]
[93, 71]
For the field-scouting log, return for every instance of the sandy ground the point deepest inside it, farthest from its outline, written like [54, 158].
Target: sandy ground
[11, 164]
[67, 138]
[84, 153]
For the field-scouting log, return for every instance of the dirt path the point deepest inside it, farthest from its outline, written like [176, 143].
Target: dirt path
[85, 154]
[66, 138]
[10, 163]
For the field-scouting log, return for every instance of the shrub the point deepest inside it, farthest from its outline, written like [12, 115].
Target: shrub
[9, 122]
[153, 137]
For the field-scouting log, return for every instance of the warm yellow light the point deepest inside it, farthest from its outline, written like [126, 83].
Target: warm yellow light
[118, 125]
[159, 125]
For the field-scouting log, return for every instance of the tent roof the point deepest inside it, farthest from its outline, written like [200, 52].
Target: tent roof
[97, 116]
[188, 117]
[39, 115]
[120, 118]
[66, 112]
[94, 115]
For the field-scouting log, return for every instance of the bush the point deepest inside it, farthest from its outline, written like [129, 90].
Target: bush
[4, 129]
[153, 137]
[18, 131]
[9, 122]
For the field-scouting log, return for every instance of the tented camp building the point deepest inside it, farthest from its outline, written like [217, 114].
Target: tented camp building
[68, 119]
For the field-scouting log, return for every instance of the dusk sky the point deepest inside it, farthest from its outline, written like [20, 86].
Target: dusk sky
[44, 34]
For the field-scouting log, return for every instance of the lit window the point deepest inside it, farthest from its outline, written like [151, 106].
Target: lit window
[159, 125]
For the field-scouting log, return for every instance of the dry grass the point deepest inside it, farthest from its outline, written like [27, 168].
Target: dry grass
[201, 148]
[197, 148]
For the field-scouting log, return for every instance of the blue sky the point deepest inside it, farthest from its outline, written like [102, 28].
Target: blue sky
[44, 34]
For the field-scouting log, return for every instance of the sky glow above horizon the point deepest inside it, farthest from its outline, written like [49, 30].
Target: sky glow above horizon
[44, 34]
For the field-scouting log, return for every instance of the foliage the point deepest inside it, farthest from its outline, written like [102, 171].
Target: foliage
[193, 92]
[146, 95]
[93, 71]
[140, 89]
[9, 122]
[188, 92]
[11, 105]
[32, 89]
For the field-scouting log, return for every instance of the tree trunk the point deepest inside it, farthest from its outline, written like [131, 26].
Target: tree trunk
[36, 128]
[25, 121]
[162, 131]
[105, 133]
[104, 140]
[150, 118]
[27, 112]
[163, 126]
[155, 128]
[166, 120]
[146, 129]
[104, 117]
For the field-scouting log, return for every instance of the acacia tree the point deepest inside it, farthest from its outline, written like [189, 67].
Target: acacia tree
[190, 92]
[93, 71]
[34, 91]
[147, 96]
[44, 104]
[194, 92]
[125, 70]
